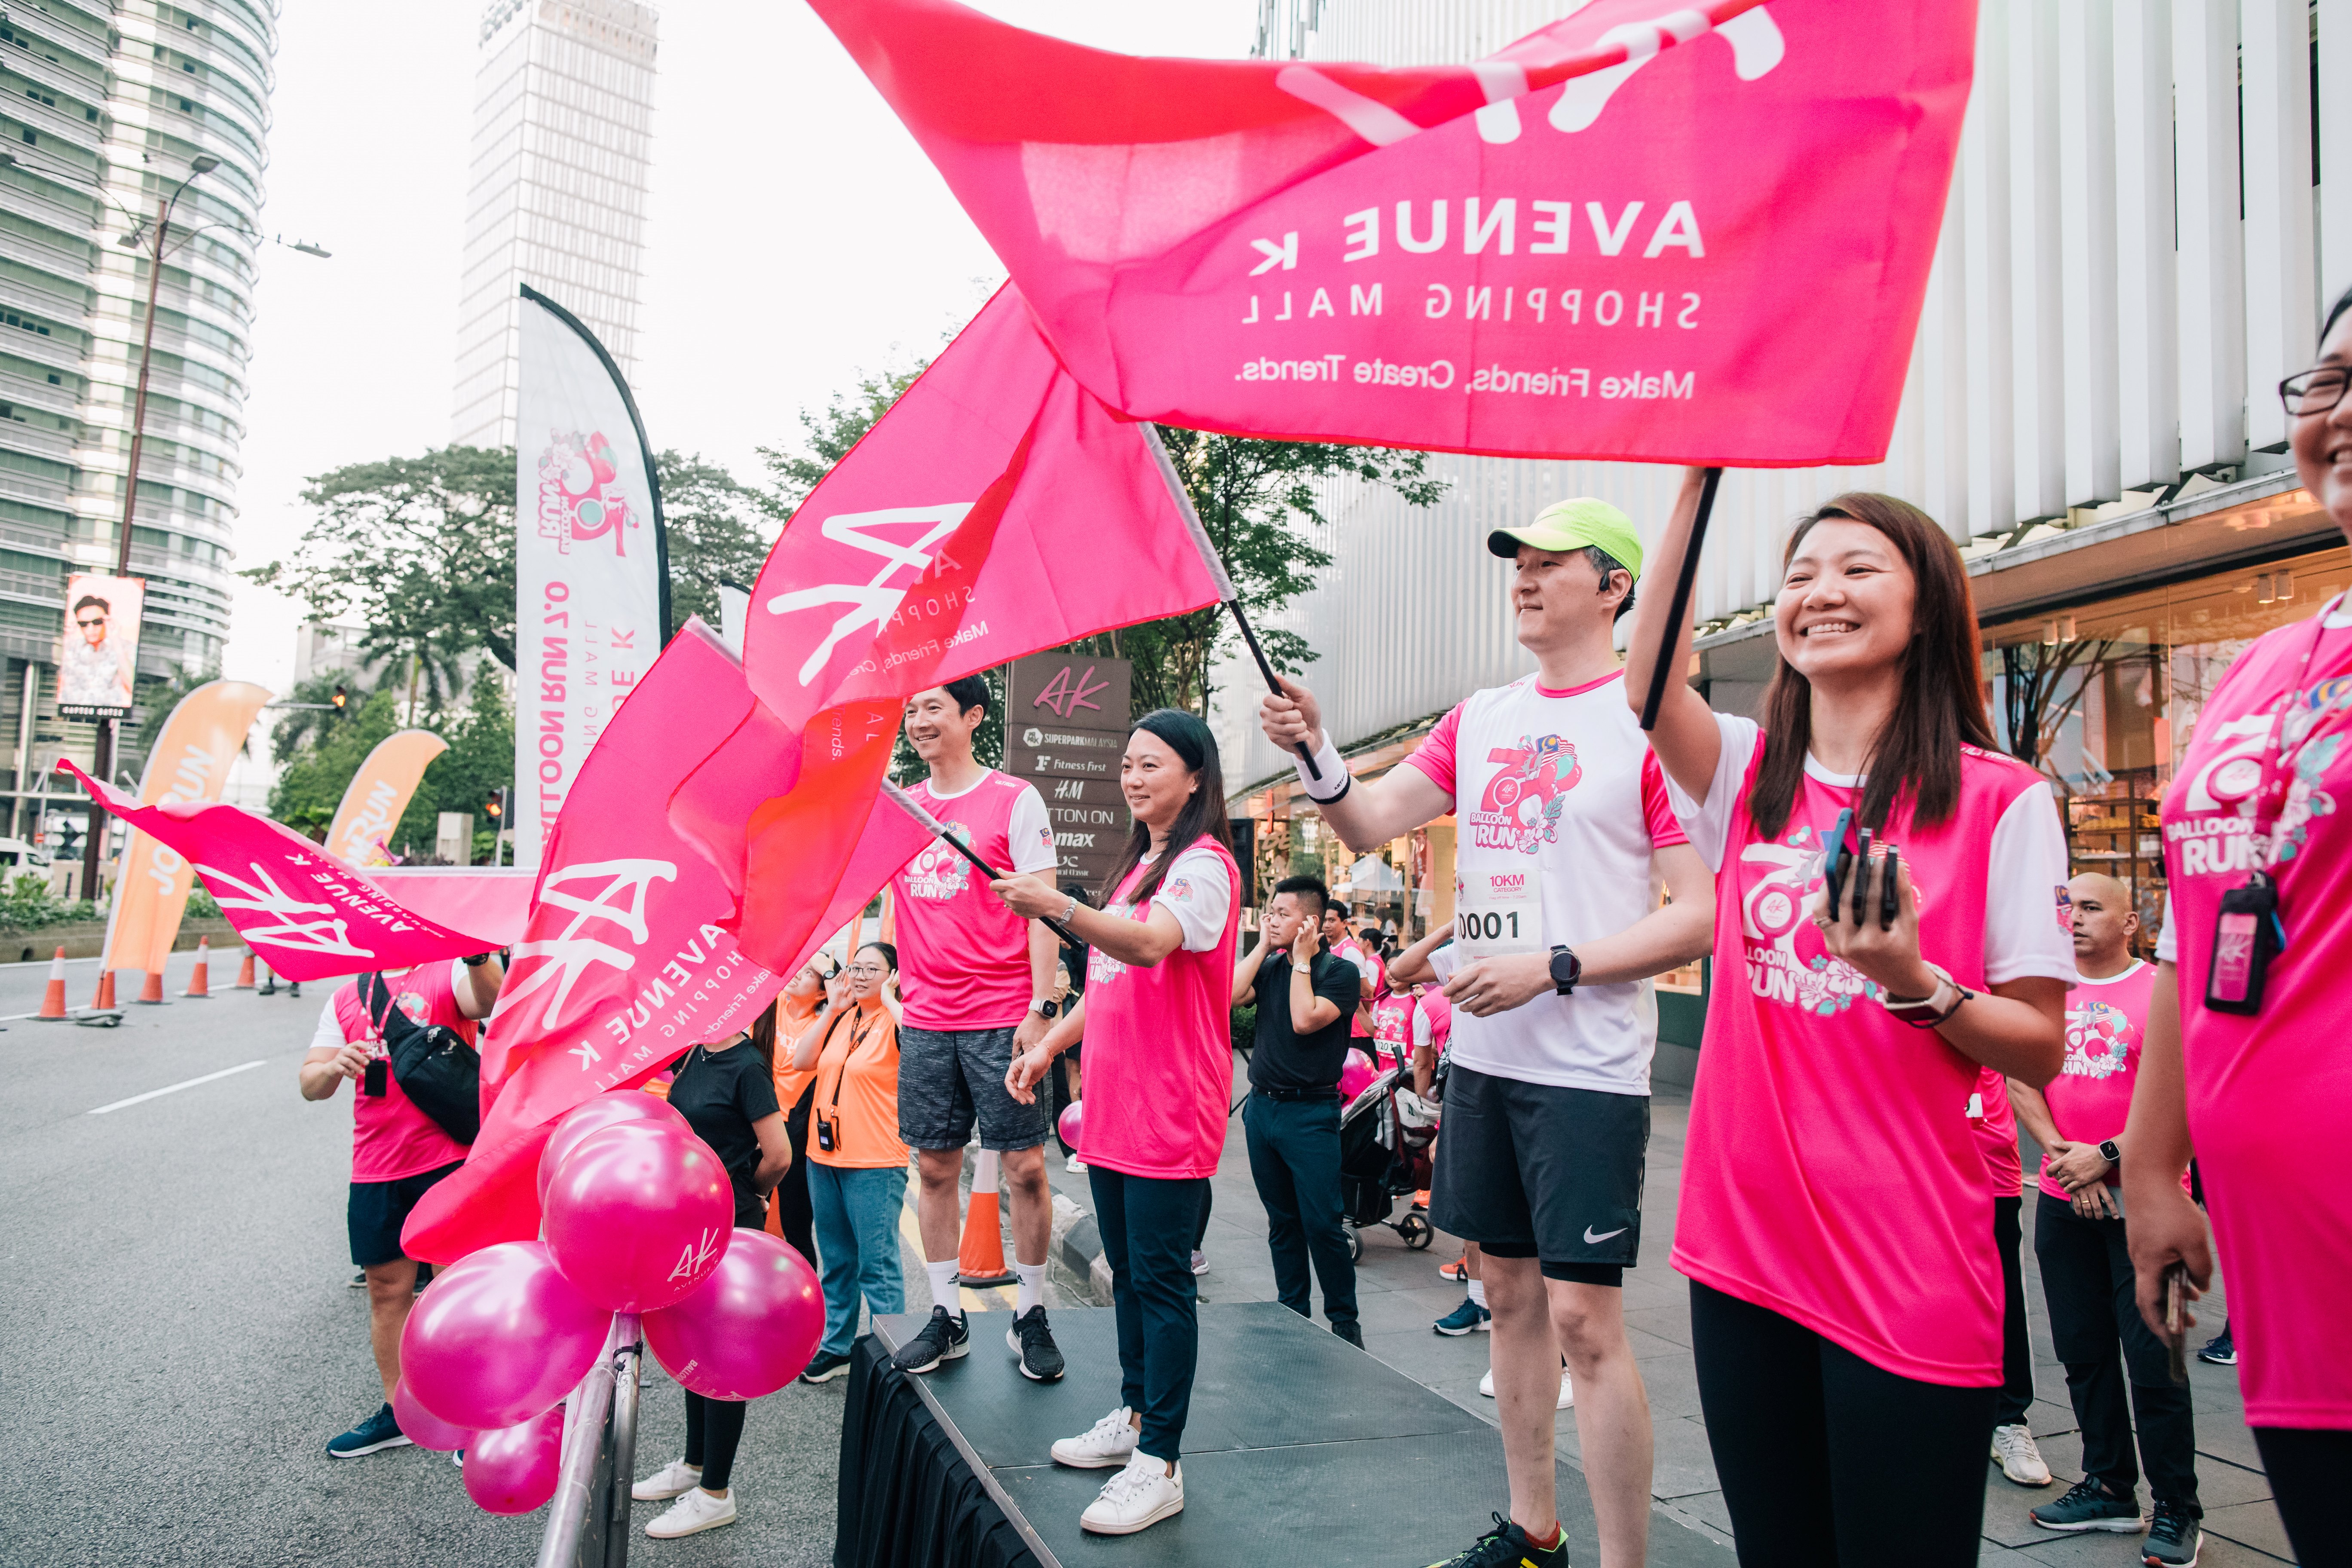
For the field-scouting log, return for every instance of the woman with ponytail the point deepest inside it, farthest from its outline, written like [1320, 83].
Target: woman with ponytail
[1160, 1077]
[1886, 891]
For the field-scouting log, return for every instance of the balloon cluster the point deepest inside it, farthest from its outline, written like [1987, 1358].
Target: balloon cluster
[637, 1217]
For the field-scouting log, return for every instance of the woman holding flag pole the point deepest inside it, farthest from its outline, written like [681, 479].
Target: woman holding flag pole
[1835, 1226]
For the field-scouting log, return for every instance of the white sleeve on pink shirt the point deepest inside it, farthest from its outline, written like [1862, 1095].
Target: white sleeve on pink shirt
[1031, 833]
[2022, 936]
[329, 1036]
[1198, 893]
[1434, 756]
[2166, 950]
[1708, 826]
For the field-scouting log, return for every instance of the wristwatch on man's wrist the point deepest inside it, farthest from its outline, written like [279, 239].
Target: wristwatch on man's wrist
[2108, 1152]
[1567, 969]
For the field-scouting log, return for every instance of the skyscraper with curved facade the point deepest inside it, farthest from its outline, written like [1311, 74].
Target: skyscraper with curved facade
[103, 107]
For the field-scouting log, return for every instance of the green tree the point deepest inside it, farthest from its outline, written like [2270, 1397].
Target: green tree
[478, 764]
[310, 787]
[718, 530]
[310, 714]
[826, 435]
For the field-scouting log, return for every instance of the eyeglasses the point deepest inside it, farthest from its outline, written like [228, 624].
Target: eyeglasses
[2314, 391]
[864, 970]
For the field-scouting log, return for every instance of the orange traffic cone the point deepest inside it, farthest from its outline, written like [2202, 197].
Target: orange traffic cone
[53, 1000]
[245, 972]
[104, 1001]
[152, 991]
[200, 984]
[981, 1260]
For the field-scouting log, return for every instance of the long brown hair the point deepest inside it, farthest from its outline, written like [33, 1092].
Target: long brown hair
[763, 1037]
[1196, 747]
[1941, 707]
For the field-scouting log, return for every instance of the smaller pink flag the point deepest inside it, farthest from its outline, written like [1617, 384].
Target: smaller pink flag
[307, 913]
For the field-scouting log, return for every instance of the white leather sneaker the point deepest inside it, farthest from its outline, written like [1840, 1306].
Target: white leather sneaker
[695, 1511]
[1108, 1441]
[672, 1479]
[1138, 1498]
[1566, 1394]
[2020, 1459]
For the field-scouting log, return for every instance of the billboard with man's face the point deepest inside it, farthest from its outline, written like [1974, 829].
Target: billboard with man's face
[98, 658]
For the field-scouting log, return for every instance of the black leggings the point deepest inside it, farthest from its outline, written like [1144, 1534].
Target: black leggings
[1826, 1459]
[713, 1428]
[2016, 1394]
[2307, 1470]
[795, 1217]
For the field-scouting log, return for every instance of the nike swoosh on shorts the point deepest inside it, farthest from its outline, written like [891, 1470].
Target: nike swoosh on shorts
[1592, 1240]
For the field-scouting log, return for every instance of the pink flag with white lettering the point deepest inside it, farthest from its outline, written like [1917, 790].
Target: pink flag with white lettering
[1670, 233]
[306, 914]
[623, 964]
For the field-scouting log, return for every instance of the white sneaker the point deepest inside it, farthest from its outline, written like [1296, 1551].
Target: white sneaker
[1076, 1166]
[693, 1511]
[1109, 1441]
[2021, 1461]
[1566, 1394]
[1138, 1498]
[672, 1479]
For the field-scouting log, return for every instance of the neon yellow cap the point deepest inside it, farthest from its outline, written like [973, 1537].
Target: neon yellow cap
[1572, 525]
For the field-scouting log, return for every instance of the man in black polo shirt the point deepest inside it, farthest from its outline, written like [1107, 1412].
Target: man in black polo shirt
[1305, 999]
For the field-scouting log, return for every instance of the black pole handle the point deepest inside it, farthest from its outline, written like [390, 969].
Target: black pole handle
[1272, 685]
[1057, 927]
[1685, 582]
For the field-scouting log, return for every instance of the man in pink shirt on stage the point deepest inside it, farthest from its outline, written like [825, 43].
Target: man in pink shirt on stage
[978, 983]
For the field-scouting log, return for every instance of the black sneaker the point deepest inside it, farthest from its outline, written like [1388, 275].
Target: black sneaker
[1351, 1331]
[1507, 1546]
[824, 1367]
[2220, 1350]
[2089, 1505]
[944, 1338]
[2172, 1538]
[1041, 1358]
[380, 1430]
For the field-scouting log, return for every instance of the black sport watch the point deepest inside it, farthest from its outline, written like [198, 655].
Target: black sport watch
[1567, 969]
[2110, 1154]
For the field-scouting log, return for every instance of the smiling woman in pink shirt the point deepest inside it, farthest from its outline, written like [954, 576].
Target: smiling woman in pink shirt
[1836, 1222]
[2244, 1059]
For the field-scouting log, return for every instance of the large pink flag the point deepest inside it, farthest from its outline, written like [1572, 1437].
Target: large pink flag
[624, 965]
[1671, 233]
[307, 913]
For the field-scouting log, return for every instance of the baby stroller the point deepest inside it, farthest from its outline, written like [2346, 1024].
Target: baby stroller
[1384, 1155]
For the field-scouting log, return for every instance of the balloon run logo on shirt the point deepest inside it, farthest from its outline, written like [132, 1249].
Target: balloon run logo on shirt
[1521, 806]
[939, 873]
[1773, 923]
[2098, 1040]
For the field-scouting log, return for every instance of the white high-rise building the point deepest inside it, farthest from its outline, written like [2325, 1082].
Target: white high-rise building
[562, 132]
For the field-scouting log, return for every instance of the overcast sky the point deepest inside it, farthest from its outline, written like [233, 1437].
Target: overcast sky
[797, 236]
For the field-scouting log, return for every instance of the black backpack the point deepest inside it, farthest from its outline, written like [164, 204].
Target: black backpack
[431, 1062]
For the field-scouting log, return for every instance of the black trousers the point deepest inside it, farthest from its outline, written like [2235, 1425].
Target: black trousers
[1148, 1224]
[2307, 1468]
[791, 1202]
[2016, 1350]
[1294, 1155]
[2094, 1323]
[713, 1428]
[1827, 1461]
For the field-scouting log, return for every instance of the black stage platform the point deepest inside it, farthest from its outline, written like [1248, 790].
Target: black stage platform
[1300, 1448]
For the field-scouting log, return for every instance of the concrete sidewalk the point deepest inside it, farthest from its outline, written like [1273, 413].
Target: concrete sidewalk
[1401, 1295]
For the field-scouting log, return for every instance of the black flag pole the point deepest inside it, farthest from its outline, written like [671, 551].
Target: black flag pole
[1684, 582]
[1272, 685]
[941, 831]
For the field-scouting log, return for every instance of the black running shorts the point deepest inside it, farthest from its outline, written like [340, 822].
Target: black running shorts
[1532, 1170]
[376, 1211]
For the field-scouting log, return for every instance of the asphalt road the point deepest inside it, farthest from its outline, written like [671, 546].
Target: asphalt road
[178, 1339]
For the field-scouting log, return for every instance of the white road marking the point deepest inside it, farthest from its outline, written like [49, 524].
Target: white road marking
[175, 1088]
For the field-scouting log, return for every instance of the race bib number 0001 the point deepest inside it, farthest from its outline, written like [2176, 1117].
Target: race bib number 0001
[1496, 912]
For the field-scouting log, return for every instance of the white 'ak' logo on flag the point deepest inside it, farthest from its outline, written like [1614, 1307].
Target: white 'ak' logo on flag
[304, 927]
[874, 602]
[617, 898]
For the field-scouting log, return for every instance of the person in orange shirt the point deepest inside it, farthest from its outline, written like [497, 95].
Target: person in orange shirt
[798, 1011]
[856, 1166]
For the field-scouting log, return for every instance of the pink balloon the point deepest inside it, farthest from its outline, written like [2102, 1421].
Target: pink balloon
[1072, 1117]
[499, 1338]
[1356, 1077]
[513, 1469]
[610, 1110]
[749, 1330]
[638, 1215]
[421, 1427]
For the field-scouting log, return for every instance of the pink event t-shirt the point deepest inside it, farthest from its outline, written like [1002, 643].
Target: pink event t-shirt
[1434, 1020]
[1562, 783]
[1158, 1040]
[1831, 1172]
[963, 957]
[1367, 963]
[391, 1138]
[2091, 1097]
[1995, 1124]
[2270, 1096]
[1392, 1022]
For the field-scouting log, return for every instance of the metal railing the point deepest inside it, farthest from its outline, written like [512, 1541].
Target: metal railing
[588, 1523]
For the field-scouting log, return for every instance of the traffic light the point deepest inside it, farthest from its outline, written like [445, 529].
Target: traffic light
[497, 805]
[340, 699]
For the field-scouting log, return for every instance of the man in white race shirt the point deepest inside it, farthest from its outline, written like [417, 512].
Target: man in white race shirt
[1561, 816]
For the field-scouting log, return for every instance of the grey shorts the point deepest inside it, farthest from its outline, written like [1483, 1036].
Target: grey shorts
[949, 1078]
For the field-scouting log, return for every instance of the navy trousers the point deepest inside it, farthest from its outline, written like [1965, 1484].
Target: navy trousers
[1148, 1225]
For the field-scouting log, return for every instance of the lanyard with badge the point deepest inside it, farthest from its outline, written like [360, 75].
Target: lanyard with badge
[2248, 932]
[828, 1127]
